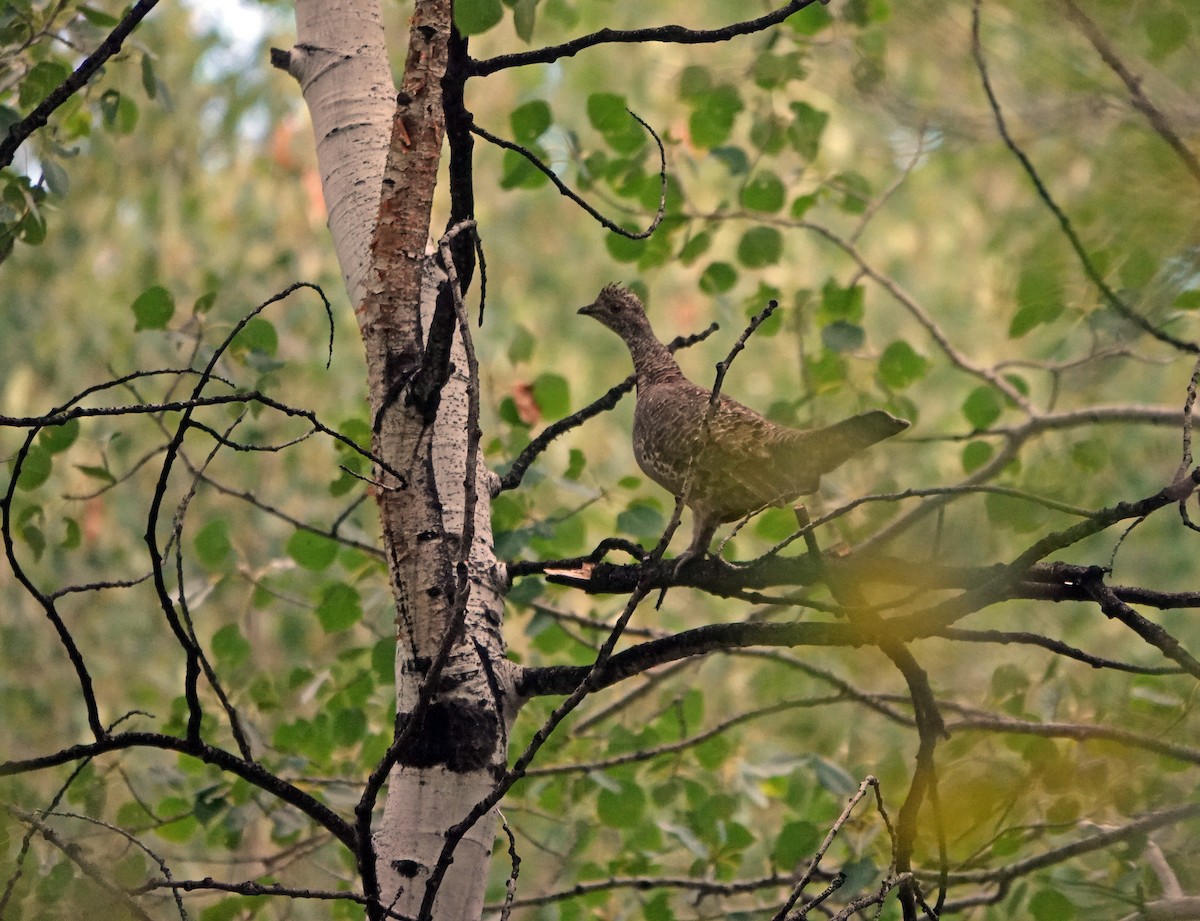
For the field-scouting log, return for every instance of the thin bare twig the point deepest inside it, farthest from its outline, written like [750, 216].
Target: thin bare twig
[565, 190]
[1064, 222]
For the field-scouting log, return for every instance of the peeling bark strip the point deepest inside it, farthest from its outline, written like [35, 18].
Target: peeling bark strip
[389, 317]
[409, 178]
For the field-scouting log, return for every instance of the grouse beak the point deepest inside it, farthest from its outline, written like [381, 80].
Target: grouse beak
[586, 311]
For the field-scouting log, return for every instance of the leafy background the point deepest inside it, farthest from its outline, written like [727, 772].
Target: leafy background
[180, 190]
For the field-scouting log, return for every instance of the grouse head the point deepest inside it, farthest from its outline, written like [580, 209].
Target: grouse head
[619, 309]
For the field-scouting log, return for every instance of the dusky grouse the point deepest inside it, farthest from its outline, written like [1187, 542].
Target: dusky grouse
[746, 463]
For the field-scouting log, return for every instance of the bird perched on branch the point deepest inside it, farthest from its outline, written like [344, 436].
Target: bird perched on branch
[724, 459]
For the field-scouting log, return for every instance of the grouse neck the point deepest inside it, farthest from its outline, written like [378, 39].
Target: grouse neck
[652, 361]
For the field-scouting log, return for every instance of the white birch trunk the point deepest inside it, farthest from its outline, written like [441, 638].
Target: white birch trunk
[341, 63]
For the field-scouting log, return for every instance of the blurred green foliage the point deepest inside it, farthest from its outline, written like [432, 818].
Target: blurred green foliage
[179, 191]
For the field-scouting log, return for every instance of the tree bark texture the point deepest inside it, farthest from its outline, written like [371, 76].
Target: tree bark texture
[434, 505]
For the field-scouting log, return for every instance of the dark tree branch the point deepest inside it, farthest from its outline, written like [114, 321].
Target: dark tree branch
[1006, 637]
[252, 888]
[47, 602]
[564, 679]
[673, 34]
[1085, 261]
[565, 190]
[1133, 83]
[973, 721]
[1093, 842]
[38, 118]
[1152, 633]
[249, 771]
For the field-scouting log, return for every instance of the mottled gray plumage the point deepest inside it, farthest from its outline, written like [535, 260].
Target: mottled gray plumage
[747, 462]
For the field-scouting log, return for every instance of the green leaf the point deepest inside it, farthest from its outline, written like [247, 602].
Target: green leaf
[258, 335]
[230, 647]
[212, 544]
[718, 277]
[768, 134]
[1039, 299]
[1138, 269]
[41, 80]
[804, 133]
[340, 607]
[153, 308]
[149, 81]
[828, 371]
[833, 777]
[475, 16]
[517, 172]
[552, 394]
[33, 227]
[57, 438]
[53, 886]
[1168, 31]
[577, 461]
[34, 538]
[1187, 300]
[658, 908]
[96, 473]
[840, 336]
[520, 347]
[775, 70]
[608, 114]
[775, 524]
[621, 808]
[838, 303]
[797, 842]
[860, 874]
[856, 192]
[697, 246]
[810, 20]
[982, 407]
[712, 119]
[530, 121]
[694, 81]
[74, 534]
[763, 192]
[641, 519]
[623, 249]
[975, 454]
[1090, 456]
[118, 112]
[734, 158]
[759, 247]
[524, 17]
[713, 752]
[311, 551]
[1008, 843]
[349, 726]
[36, 468]
[802, 204]
[1051, 905]
[98, 17]
[900, 365]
